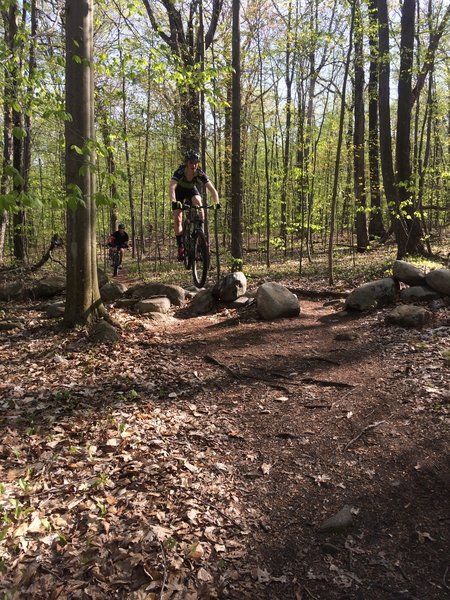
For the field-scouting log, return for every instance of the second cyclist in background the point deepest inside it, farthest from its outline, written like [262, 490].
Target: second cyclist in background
[120, 240]
[183, 190]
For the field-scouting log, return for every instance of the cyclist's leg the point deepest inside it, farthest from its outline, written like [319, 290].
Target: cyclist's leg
[120, 256]
[197, 201]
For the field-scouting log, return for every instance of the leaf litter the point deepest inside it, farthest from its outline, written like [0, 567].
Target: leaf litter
[126, 474]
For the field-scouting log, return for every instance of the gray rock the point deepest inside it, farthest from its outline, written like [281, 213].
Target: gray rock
[125, 302]
[102, 277]
[8, 291]
[112, 291]
[340, 520]
[160, 304]
[241, 302]
[439, 280]
[418, 292]
[103, 333]
[47, 287]
[408, 273]
[203, 302]
[230, 287]
[373, 294]
[175, 293]
[6, 325]
[158, 317]
[274, 301]
[408, 315]
[56, 310]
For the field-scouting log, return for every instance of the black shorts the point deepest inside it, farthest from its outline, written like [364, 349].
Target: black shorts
[184, 195]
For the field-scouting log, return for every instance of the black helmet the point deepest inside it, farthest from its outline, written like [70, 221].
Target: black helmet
[121, 226]
[192, 155]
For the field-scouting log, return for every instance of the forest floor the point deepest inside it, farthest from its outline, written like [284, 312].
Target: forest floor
[199, 458]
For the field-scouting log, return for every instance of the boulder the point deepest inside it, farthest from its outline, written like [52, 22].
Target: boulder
[48, 287]
[202, 303]
[373, 294]
[55, 310]
[175, 293]
[8, 291]
[408, 273]
[230, 287]
[339, 521]
[274, 301]
[102, 277]
[103, 333]
[418, 292]
[112, 291]
[408, 315]
[439, 280]
[160, 304]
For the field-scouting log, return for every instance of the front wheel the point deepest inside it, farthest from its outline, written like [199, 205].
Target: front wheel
[200, 262]
[187, 245]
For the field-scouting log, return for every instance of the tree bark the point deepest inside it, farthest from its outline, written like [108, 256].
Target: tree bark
[359, 163]
[376, 226]
[236, 176]
[83, 302]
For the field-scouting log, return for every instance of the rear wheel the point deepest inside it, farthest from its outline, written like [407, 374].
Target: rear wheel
[200, 263]
[115, 261]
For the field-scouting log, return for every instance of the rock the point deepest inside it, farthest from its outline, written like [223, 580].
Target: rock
[8, 291]
[202, 303]
[175, 293]
[103, 333]
[418, 292]
[340, 520]
[158, 317]
[160, 304]
[274, 301]
[241, 302]
[56, 310]
[48, 287]
[373, 294]
[439, 280]
[408, 315]
[125, 302]
[408, 273]
[331, 549]
[112, 291]
[102, 277]
[6, 325]
[230, 287]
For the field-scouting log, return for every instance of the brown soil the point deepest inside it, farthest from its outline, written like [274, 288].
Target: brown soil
[199, 458]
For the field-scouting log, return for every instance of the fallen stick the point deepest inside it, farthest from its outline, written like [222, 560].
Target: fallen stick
[327, 382]
[229, 370]
[367, 428]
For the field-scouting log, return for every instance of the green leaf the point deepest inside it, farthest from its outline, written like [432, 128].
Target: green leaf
[19, 133]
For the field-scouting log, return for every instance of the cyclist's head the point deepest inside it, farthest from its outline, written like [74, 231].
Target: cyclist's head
[192, 155]
[121, 226]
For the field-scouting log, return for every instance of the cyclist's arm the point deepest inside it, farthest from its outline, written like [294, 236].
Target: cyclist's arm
[214, 193]
[172, 187]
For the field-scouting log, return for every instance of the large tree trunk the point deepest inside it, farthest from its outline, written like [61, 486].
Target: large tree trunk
[359, 163]
[413, 243]
[83, 302]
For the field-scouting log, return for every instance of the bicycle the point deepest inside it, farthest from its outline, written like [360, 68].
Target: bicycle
[115, 259]
[196, 248]
[115, 256]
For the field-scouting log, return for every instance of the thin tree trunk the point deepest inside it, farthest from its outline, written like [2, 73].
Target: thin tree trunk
[338, 154]
[359, 164]
[376, 227]
[236, 177]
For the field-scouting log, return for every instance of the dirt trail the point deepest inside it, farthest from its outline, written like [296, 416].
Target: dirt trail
[200, 457]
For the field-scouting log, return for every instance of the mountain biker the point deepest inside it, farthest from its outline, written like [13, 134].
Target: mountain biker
[119, 239]
[183, 190]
